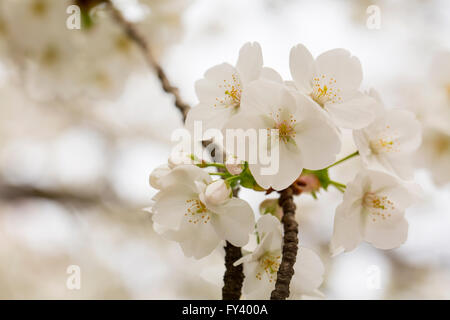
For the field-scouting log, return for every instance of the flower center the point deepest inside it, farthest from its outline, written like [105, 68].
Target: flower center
[285, 124]
[325, 90]
[197, 212]
[378, 207]
[270, 263]
[382, 145]
[232, 92]
[285, 130]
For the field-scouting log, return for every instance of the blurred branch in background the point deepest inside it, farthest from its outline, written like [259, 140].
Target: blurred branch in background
[133, 33]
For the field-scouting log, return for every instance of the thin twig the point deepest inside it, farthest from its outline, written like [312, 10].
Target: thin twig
[290, 246]
[139, 40]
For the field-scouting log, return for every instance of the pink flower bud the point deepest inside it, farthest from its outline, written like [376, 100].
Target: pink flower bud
[271, 206]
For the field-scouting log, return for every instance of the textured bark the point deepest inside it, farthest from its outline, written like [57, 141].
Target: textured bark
[140, 41]
[234, 276]
[290, 246]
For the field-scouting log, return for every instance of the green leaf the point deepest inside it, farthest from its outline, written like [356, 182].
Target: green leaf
[247, 180]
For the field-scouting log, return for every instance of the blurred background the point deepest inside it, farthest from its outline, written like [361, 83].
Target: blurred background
[83, 122]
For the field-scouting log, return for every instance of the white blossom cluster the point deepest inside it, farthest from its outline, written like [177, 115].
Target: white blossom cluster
[58, 62]
[309, 113]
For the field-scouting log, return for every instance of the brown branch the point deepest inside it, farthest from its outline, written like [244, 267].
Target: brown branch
[234, 276]
[100, 198]
[140, 41]
[290, 246]
[13, 193]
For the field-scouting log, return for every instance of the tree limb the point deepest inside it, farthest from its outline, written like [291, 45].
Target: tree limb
[139, 40]
[234, 276]
[290, 246]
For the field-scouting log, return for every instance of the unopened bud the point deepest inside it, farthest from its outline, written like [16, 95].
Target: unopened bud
[217, 192]
[157, 174]
[234, 169]
[271, 206]
[234, 165]
[307, 183]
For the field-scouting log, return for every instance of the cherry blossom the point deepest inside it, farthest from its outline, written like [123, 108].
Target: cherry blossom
[389, 141]
[306, 138]
[332, 81]
[183, 212]
[261, 265]
[372, 210]
[221, 89]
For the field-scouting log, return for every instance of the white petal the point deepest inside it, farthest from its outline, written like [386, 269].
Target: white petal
[308, 272]
[171, 205]
[213, 90]
[342, 66]
[289, 169]
[355, 113]
[209, 88]
[253, 287]
[185, 176]
[386, 235]
[241, 133]
[157, 174]
[270, 232]
[250, 62]
[318, 141]
[362, 143]
[405, 128]
[271, 74]
[347, 232]
[263, 96]
[385, 184]
[269, 224]
[301, 63]
[234, 221]
[210, 117]
[402, 165]
[197, 240]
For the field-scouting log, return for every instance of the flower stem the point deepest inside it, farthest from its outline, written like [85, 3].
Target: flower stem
[354, 154]
[212, 164]
[290, 246]
[222, 174]
[340, 186]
